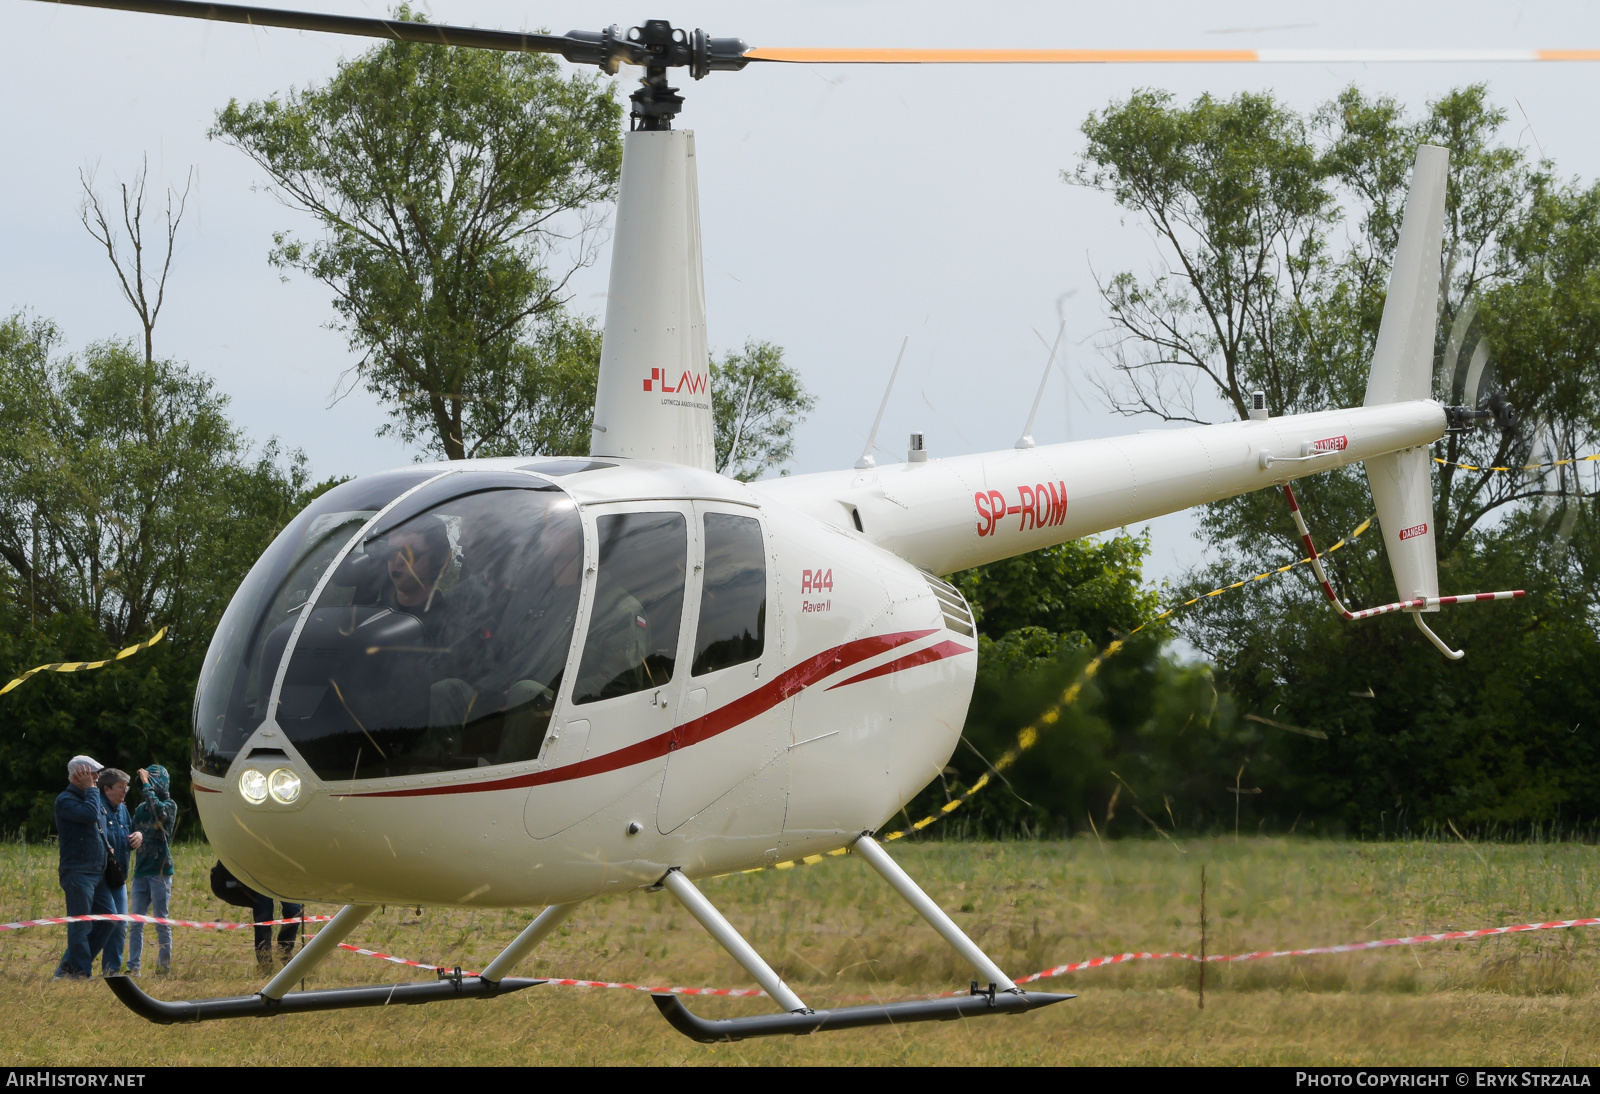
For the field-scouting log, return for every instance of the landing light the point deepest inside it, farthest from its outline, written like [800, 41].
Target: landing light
[253, 785]
[284, 785]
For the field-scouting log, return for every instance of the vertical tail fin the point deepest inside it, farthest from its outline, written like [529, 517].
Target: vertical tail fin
[1402, 360]
[1402, 371]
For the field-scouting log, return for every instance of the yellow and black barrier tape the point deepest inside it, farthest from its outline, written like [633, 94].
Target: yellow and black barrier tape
[1352, 537]
[1028, 736]
[1521, 467]
[82, 666]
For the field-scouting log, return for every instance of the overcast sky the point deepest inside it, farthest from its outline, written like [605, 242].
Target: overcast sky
[843, 208]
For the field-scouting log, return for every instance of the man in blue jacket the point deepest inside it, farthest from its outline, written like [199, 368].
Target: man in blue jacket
[81, 826]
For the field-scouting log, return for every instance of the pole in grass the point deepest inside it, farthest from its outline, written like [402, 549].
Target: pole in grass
[1237, 791]
[1202, 936]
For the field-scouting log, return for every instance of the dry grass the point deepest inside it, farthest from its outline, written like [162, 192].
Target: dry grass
[839, 935]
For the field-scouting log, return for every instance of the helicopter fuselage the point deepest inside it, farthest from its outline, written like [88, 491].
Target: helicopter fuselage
[854, 703]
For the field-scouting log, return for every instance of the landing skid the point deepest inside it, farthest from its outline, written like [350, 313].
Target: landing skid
[1002, 996]
[977, 1005]
[276, 998]
[297, 1002]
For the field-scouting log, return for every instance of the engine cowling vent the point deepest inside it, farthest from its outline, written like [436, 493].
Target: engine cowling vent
[957, 616]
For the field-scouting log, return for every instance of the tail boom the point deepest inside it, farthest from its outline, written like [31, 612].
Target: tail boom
[949, 514]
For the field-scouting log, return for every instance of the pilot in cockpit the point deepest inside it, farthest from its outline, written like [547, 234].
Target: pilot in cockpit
[415, 556]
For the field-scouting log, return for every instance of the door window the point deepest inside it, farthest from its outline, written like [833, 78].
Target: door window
[733, 597]
[638, 605]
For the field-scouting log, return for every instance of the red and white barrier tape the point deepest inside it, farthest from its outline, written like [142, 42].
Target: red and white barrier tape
[1346, 947]
[746, 993]
[119, 917]
[750, 993]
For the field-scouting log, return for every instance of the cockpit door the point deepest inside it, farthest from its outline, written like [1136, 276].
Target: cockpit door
[625, 692]
[730, 738]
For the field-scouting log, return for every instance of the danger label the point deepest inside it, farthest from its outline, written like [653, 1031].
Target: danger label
[1042, 505]
[1414, 532]
[1331, 444]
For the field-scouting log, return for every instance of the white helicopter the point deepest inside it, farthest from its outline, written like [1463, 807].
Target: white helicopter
[515, 682]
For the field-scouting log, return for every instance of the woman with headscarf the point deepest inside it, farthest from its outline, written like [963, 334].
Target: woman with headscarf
[154, 820]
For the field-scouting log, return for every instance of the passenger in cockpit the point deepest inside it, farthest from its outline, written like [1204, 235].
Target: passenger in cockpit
[514, 611]
[616, 651]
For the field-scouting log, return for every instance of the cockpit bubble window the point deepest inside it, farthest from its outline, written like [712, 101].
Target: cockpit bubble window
[632, 643]
[733, 595]
[440, 641]
[231, 697]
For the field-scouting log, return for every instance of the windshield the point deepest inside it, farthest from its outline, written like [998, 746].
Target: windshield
[441, 639]
[230, 698]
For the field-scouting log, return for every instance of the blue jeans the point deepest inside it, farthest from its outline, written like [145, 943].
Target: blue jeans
[151, 896]
[262, 909]
[87, 894]
[111, 959]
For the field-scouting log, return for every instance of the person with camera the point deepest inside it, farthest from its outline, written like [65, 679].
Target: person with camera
[154, 823]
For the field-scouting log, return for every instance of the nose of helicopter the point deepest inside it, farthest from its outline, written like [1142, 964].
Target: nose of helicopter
[283, 831]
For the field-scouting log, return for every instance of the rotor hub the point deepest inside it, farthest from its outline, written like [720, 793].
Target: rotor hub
[656, 46]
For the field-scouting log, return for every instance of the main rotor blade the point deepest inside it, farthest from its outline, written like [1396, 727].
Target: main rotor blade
[391, 29]
[592, 49]
[827, 56]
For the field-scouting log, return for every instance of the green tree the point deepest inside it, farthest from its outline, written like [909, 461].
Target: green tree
[543, 405]
[758, 401]
[1148, 742]
[1091, 587]
[448, 183]
[128, 502]
[1280, 230]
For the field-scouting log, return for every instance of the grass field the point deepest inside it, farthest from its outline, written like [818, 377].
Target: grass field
[838, 934]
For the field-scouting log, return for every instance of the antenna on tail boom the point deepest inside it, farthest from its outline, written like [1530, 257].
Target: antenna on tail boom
[867, 459]
[1026, 440]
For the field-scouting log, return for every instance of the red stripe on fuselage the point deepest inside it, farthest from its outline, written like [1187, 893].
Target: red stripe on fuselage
[709, 725]
[909, 661]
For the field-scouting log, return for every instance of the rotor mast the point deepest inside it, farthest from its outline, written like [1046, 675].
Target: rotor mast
[653, 396]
